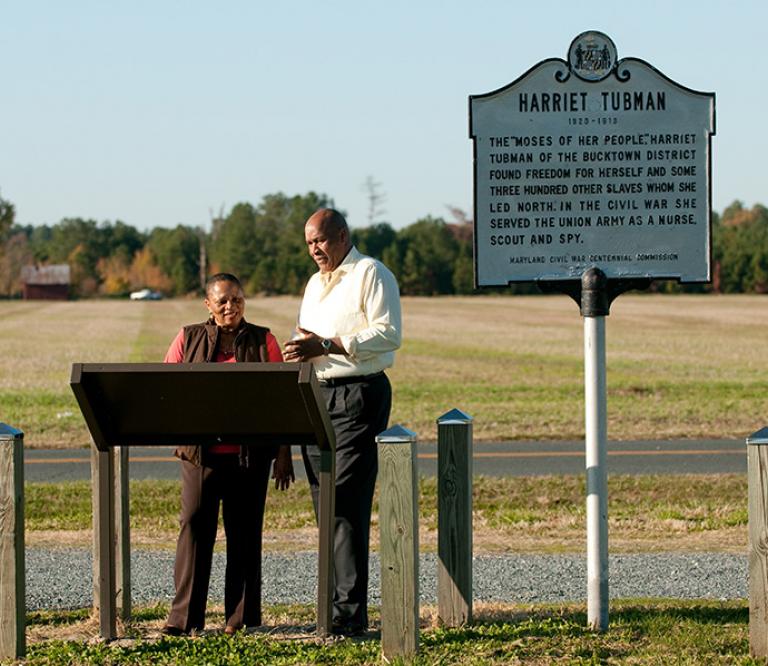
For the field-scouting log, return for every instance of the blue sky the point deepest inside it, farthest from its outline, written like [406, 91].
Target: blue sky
[156, 113]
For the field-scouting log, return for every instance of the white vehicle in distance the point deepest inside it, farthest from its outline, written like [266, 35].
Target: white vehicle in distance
[146, 295]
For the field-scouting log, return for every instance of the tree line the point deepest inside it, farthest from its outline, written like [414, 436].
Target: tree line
[264, 245]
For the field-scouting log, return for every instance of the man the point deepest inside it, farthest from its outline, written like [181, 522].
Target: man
[349, 328]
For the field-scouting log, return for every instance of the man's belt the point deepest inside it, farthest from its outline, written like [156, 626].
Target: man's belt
[341, 381]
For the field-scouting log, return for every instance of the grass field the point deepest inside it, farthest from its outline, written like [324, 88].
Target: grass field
[678, 366]
[510, 515]
[648, 632]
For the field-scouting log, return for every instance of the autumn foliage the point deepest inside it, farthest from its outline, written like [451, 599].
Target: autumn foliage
[264, 245]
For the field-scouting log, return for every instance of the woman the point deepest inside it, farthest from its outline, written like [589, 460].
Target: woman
[235, 476]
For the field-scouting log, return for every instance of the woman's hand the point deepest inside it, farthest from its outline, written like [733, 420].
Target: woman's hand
[282, 470]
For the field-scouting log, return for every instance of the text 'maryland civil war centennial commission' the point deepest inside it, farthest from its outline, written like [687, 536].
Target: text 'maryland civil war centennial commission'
[592, 161]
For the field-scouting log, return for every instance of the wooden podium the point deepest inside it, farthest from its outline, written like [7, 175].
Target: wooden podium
[255, 404]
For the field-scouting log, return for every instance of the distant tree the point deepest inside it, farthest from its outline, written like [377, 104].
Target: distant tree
[123, 240]
[264, 245]
[177, 253]
[463, 268]
[10, 246]
[114, 276]
[15, 254]
[423, 258]
[374, 240]
[39, 238]
[740, 249]
[7, 217]
[463, 278]
[376, 201]
[736, 215]
[202, 264]
[235, 244]
[285, 264]
[460, 217]
[83, 270]
[145, 273]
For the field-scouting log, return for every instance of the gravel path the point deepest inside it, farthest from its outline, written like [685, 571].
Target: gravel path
[61, 577]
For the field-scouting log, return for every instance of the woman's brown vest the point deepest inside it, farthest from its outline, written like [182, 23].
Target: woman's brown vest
[200, 343]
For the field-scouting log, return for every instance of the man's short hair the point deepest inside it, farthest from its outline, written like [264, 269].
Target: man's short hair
[336, 219]
[221, 277]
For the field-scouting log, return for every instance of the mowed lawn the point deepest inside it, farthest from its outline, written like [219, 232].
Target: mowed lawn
[678, 366]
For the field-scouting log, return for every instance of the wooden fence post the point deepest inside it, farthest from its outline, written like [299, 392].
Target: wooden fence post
[399, 542]
[12, 570]
[757, 474]
[454, 518]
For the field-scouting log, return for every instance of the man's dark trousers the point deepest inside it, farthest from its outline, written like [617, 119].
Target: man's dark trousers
[359, 409]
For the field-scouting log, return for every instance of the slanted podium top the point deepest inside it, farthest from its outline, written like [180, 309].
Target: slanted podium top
[161, 404]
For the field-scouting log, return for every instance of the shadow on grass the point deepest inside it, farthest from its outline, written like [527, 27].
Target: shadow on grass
[625, 612]
[727, 613]
[57, 617]
[544, 630]
[73, 616]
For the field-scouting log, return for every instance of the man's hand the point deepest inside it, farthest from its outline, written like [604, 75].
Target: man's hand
[282, 470]
[305, 347]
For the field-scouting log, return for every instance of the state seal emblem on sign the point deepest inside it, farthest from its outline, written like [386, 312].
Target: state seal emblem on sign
[592, 56]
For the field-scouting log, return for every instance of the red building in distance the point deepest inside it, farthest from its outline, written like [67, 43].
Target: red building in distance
[45, 282]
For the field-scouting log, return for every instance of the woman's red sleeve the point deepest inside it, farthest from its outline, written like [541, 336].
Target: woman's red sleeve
[273, 349]
[175, 353]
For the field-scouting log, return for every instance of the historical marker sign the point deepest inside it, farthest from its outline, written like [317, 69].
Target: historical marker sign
[592, 161]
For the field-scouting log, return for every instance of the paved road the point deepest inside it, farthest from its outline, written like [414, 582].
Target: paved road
[490, 458]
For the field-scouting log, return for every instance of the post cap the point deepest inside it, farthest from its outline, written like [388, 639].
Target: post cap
[8, 432]
[594, 293]
[397, 434]
[759, 437]
[454, 417]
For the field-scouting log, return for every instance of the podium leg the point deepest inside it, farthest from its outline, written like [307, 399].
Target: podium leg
[122, 534]
[103, 469]
[326, 524]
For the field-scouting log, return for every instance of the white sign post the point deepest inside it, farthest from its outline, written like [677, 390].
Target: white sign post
[592, 176]
[596, 444]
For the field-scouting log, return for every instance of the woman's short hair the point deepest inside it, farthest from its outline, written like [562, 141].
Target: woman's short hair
[221, 277]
